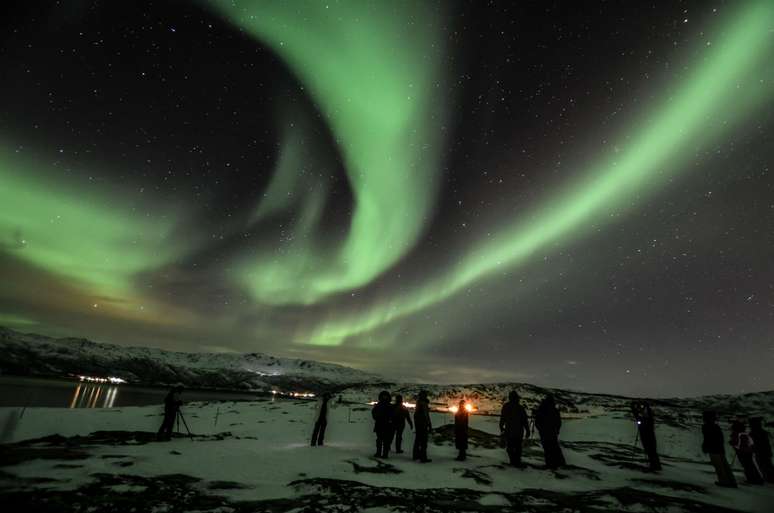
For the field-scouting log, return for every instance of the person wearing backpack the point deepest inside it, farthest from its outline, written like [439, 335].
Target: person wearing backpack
[743, 445]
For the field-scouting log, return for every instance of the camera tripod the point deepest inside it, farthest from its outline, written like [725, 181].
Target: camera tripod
[180, 417]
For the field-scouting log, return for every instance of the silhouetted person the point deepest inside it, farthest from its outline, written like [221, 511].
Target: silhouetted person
[172, 405]
[422, 427]
[548, 422]
[401, 415]
[461, 431]
[514, 425]
[714, 446]
[318, 435]
[383, 426]
[743, 445]
[646, 425]
[761, 448]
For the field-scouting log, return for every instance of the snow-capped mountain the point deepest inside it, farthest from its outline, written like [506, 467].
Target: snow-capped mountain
[38, 355]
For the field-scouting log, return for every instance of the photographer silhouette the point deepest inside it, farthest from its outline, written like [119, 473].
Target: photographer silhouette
[172, 403]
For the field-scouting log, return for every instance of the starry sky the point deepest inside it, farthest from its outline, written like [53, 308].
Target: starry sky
[570, 194]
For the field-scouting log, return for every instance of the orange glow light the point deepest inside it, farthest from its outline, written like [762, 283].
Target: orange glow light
[468, 407]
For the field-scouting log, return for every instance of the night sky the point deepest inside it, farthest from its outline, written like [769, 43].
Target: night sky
[569, 194]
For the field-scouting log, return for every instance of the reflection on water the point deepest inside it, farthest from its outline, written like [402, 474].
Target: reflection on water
[89, 395]
[21, 391]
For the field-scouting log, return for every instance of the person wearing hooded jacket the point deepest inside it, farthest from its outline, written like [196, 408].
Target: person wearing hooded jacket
[548, 422]
[382, 414]
[514, 426]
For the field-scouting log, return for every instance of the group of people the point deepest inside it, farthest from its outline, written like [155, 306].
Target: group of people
[752, 448]
[390, 420]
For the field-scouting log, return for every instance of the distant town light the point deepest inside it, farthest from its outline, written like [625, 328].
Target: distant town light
[94, 379]
[407, 405]
[303, 395]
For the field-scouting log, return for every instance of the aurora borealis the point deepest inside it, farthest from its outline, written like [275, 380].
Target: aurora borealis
[383, 117]
[569, 196]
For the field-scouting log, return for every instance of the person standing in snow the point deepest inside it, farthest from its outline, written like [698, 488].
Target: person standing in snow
[646, 426]
[318, 435]
[743, 445]
[514, 426]
[713, 445]
[548, 422]
[762, 448]
[172, 403]
[401, 415]
[422, 427]
[461, 431]
[382, 414]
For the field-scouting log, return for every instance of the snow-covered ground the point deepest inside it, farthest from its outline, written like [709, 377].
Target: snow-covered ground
[255, 456]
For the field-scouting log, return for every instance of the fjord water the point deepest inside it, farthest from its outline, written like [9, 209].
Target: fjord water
[20, 391]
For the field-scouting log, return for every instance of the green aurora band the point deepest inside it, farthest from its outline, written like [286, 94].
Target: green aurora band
[86, 236]
[294, 185]
[733, 78]
[372, 74]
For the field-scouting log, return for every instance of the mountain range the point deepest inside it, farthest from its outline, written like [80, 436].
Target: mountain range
[26, 354]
